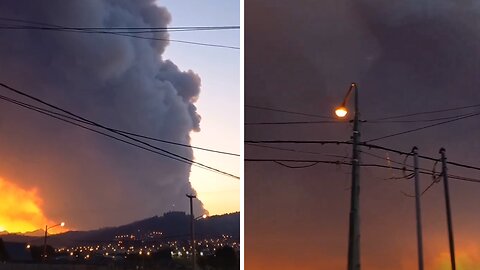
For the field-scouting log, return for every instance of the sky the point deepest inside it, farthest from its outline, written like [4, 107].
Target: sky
[220, 98]
[149, 87]
[407, 57]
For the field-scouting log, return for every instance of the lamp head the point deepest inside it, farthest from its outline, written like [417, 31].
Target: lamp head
[341, 111]
[62, 224]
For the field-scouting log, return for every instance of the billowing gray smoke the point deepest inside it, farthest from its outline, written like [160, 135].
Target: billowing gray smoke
[84, 178]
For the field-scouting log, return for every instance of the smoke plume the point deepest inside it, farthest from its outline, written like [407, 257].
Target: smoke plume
[122, 82]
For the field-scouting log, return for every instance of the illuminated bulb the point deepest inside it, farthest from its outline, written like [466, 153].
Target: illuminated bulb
[341, 112]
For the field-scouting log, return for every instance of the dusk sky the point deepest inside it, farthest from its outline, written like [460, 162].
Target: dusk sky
[407, 57]
[219, 101]
[171, 91]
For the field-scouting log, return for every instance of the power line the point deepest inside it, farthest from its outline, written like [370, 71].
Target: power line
[298, 151]
[294, 123]
[322, 142]
[106, 30]
[119, 133]
[292, 150]
[386, 159]
[378, 120]
[427, 112]
[420, 156]
[52, 26]
[434, 181]
[90, 129]
[421, 128]
[122, 30]
[30, 106]
[286, 111]
[338, 162]
[418, 120]
[363, 121]
[179, 144]
[76, 124]
[295, 167]
[180, 41]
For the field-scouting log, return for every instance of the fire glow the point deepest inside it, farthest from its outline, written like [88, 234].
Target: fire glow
[467, 257]
[20, 209]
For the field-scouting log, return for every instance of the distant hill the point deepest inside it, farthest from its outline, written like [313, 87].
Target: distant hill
[172, 225]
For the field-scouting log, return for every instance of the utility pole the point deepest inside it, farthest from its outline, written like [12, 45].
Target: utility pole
[417, 208]
[45, 239]
[447, 205]
[192, 232]
[354, 218]
[45, 245]
[354, 225]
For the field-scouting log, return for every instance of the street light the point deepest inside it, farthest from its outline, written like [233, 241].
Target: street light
[192, 228]
[341, 111]
[354, 224]
[201, 217]
[45, 239]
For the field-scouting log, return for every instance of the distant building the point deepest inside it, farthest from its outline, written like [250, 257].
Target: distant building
[15, 252]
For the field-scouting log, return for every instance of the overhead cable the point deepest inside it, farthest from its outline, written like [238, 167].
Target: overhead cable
[168, 153]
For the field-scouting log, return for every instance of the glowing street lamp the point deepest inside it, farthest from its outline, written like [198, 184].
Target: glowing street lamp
[192, 227]
[354, 224]
[45, 239]
[201, 217]
[341, 111]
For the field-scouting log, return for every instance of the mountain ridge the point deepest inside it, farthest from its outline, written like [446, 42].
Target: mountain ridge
[169, 227]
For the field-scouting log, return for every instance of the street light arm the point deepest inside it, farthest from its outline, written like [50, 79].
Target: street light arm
[347, 95]
[201, 217]
[56, 225]
[45, 238]
[342, 111]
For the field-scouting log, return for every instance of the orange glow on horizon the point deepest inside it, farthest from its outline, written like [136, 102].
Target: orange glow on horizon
[466, 258]
[20, 210]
